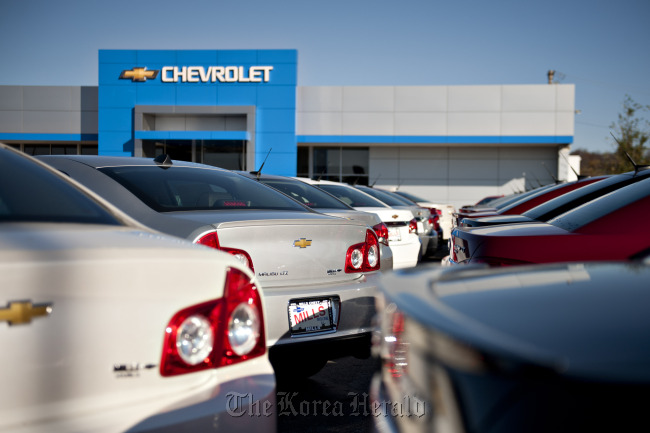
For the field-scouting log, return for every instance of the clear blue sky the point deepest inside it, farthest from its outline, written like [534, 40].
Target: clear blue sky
[600, 46]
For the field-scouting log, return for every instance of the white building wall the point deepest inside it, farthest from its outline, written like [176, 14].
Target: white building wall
[454, 144]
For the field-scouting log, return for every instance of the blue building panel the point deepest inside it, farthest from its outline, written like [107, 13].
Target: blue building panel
[156, 95]
[237, 95]
[276, 120]
[199, 57]
[197, 94]
[236, 57]
[278, 56]
[265, 79]
[115, 119]
[277, 97]
[116, 97]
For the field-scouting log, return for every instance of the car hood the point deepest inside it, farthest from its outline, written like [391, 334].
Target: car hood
[587, 321]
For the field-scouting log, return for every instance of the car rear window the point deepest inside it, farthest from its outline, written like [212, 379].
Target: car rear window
[306, 194]
[351, 196]
[571, 199]
[389, 199]
[595, 209]
[31, 193]
[173, 189]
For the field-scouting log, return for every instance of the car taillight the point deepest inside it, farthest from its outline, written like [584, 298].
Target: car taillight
[212, 240]
[216, 333]
[397, 361]
[413, 226]
[434, 220]
[364, 257]
[382, 233]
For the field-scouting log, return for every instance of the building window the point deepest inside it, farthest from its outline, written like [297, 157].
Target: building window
[58, 148]
[228, 154]
[341, 164]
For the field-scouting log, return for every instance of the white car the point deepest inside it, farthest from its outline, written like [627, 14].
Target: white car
[401, 224]
[108, 326]
[445, 211]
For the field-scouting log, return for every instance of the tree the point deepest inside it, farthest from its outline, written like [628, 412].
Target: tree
[631, 134]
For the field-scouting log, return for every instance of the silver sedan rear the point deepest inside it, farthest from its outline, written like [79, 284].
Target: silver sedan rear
[318, 273]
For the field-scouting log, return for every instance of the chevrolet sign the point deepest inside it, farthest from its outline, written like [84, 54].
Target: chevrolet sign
[211, 74]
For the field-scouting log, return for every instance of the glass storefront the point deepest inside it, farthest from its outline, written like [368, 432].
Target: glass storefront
[340, 164]
[229, 154]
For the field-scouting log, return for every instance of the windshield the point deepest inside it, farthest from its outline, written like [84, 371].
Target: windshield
[351, 196]
[31, 193]
[306, 194]
[192, 188]
[602, 206]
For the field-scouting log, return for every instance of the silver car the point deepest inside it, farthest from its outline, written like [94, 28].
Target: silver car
[318, 273]
[109, 326]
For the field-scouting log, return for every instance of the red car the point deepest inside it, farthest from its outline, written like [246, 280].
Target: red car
[524, 201]
[563, 203]
[602, 229]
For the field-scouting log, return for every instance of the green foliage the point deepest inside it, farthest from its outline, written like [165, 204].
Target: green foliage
[631, 134]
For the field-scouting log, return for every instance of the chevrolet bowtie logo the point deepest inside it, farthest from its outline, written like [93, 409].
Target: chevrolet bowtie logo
[138, 74]
[23, 312]
[302, 243]
[395, 217]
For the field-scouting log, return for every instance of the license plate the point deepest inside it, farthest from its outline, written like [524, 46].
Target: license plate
[310, 316]
[394, 234]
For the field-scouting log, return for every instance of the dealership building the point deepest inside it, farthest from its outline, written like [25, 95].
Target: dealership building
[238, 109]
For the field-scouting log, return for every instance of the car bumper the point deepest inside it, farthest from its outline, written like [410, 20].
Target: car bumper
[406, 255]
[226, 400]
[354, 315]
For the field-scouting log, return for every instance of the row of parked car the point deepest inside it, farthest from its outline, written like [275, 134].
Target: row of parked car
[537, 321]
[143, 294]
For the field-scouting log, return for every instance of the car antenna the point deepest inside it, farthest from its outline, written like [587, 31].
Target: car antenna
[579, 176]
[376, 179]
[550, 174]
[259, 172]
[634, 164]
[163, 160]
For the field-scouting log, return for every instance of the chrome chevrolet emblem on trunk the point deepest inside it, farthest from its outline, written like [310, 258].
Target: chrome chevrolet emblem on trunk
[302, 243]
[22, 312]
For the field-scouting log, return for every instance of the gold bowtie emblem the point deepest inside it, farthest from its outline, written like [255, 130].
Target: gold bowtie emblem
[302, 243]
[138, 74]
[23, 312]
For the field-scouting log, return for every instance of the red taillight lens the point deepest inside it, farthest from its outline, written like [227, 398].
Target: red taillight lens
[212, 240]
[413, 226]
[216, 333]
[397, 362]
[381, 230]
[434, 220]
[364, 257]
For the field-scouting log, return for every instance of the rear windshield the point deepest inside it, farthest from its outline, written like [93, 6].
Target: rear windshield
[193, 188]
[595, 209]
[31, 193]
[351, 196]
[306, 194]
[387, 198]
[410, 196]
[571, 199]
[502, 202]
